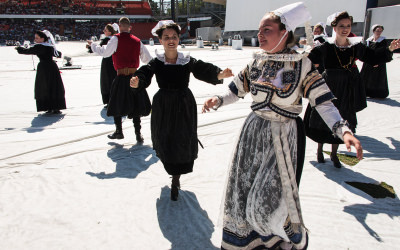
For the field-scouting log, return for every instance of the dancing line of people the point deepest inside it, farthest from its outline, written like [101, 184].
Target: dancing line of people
[261, 205]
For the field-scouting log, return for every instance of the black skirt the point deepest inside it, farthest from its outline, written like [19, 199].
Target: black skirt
[174, 129]
[375, 80]
[49, 87]
[350, 98]
[107, 75]
[125, 101]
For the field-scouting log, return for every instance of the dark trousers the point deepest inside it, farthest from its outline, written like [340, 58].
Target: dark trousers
[136, 123]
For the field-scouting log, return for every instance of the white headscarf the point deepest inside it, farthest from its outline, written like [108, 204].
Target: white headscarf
[160, 24]
[292, 15]
[115, 27]
[51, 42]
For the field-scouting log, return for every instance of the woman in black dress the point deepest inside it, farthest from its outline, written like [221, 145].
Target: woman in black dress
[374, 77]
[49, 87]
[174, 109]
[107, 72]
[344, 81]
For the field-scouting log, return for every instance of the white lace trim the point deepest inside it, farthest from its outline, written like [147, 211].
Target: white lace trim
[262, 55]
[183, 58]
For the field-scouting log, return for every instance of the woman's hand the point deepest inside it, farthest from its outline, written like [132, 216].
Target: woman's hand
[134, 82]
[213, 101]
[350, 140]
[395, 44]
[225, 74]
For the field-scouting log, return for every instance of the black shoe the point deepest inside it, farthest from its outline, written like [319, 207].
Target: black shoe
[116, 135]
[48, 112]
[56, 112]
[106, 106]
[336, 162]
[174, 192]
[320, 157]
[139, 138]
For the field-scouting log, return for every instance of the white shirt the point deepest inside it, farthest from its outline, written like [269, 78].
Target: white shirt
[110, 48]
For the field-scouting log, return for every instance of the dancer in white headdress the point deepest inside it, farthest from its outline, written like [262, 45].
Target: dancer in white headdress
[262, 206]
[107, 71]
[49, 87]
[374, 77]
[343, 78]
[174, 113]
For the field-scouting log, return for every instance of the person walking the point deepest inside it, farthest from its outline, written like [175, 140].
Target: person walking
[127, 50]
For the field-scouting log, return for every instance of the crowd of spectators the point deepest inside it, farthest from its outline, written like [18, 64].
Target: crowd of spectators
[59, 7]
[20, 30]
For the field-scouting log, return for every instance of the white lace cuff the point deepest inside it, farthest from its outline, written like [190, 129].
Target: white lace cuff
[226, 98]
[341, 127]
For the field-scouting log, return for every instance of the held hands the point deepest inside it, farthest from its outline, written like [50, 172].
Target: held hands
[350, 140]
[395, 44]
[213, 101]
[89, 43]
[134, 82]
[225, 74]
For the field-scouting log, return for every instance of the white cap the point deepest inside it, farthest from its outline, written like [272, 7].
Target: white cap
[115, 27]
[332, 17]
[376, 25]
[160, 24]
[293, 15]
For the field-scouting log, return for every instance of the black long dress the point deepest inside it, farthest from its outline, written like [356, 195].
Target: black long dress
[174, 110]
[375, 78]
[345, 83]
[49, 87]
[107, 73]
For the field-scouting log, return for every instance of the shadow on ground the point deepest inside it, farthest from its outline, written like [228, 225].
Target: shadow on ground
[184, 223]
[129, 161]
[387, 206]
[378, 149]
[386, 101]
[41, 121]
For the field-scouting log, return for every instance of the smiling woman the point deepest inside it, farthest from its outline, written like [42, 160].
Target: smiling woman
[343, 78]
[262, 207]
[174, 109]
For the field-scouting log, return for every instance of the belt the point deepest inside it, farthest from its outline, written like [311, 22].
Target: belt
[126, 71]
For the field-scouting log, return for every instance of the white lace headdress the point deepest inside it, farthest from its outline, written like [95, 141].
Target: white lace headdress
[293, 15]
[160, 24]
[51, 41]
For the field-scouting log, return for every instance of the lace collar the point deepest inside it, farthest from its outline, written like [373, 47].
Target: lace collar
[352, 41]
[380, 39]
[286, 55]
[183, 58]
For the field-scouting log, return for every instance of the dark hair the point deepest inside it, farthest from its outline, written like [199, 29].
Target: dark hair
[41, 34]
[290, 42]
[341, 16]
[124, 20]
[110, 28]
[378, 26]
[173, 26]
[319, 26]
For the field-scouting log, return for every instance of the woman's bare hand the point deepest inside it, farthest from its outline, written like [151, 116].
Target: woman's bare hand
[134, 82]
[350, 140]
[225, 74]
[213, 101]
